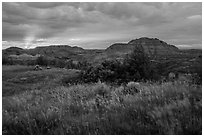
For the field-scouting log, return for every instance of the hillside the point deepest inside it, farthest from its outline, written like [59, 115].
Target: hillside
[13, 51]
[157, 49]
[152, 46]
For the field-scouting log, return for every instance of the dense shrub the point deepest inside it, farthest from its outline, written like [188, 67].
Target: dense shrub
[108, 71]
[42, 61]
[7, 61]
[197, 69]
[60, 63]
[135, 67]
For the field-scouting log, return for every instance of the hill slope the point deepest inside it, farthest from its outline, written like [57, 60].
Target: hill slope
[155, 48]
[152, 46]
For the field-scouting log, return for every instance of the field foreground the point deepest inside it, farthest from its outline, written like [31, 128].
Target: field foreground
[41, 102]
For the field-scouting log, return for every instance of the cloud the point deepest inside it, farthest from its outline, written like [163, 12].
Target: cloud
[40, 40]
[195, 17]
[184, 46]
[87, 23]
[43, 5]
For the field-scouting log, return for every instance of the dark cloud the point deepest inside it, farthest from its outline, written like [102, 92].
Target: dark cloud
[102, 23]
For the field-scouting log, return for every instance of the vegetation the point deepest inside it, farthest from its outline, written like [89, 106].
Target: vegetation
[45, 106]
[135, 67]
[169, 108]
[46, 61]
[42, 61]
[7, 61]
[111, 98]
[17, 79]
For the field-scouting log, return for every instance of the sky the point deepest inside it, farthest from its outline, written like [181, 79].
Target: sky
[98, 25]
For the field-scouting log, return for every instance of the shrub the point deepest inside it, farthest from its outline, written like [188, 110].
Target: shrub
[137, 65]
[42, 61]
[108, 71]
[60, 63]
[83, 65]
[90, 74]
[197, 69]
[7, 61]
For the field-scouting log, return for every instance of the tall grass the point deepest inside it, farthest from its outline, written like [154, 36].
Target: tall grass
[98, 108]
[16, 79]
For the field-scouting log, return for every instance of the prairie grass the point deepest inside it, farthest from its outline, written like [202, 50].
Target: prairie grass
[99, 108]
[17, 79]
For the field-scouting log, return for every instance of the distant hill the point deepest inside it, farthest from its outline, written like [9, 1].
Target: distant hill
[13, 51]
[152, 46]
[58, 51]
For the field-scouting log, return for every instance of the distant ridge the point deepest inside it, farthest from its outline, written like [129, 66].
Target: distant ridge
[152, 46]
[13, 51]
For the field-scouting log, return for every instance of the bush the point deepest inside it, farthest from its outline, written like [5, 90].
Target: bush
[7, 61]
[42, 61]
[60, 63]
[197, 69]
[83, 65]
[105, 72]
[137, 65]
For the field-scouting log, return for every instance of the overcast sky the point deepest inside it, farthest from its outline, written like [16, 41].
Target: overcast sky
[98, 25]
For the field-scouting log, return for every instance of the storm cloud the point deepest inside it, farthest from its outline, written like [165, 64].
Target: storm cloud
[98, 25]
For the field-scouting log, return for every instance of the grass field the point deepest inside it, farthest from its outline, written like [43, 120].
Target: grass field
[42, 102]
[18, 79]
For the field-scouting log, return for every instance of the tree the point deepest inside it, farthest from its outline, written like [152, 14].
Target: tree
[137, 65]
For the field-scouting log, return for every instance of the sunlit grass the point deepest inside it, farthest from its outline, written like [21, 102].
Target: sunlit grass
[98, 108]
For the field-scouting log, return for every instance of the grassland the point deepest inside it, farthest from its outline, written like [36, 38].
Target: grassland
[43, 102]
